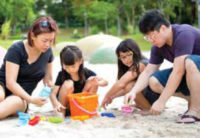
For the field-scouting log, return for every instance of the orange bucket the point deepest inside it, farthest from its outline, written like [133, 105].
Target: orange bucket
[83, 104]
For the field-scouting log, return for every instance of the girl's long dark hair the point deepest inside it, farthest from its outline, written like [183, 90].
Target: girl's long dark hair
[68, 56]
[126, 46]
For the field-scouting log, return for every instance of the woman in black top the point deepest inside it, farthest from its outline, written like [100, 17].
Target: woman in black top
[73, 78]
[130, 64]
[25, 64]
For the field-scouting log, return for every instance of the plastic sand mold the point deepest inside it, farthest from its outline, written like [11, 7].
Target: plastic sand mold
[55, 120]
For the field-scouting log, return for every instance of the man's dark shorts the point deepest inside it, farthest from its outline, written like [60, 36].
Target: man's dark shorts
[163, 75]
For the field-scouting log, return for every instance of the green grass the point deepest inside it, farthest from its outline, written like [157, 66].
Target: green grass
[138, 37]
[6, 43]
[67, 35]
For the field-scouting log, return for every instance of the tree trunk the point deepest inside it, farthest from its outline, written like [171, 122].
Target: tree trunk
[66, 22]
[85, 24]
[106, 25]
[118, 25]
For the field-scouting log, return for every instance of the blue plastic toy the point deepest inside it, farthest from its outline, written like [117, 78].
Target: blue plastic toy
[45, 92]
[23, 118]
[108, 115]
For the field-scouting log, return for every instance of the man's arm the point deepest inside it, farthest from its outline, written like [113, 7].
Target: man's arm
[171, 86]
[142, 82]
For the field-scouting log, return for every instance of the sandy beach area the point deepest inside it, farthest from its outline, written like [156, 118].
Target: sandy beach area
[123, 126]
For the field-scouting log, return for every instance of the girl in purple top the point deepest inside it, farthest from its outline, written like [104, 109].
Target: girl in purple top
[179, 44]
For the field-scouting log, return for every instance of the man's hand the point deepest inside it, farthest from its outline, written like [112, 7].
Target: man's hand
[157, 107]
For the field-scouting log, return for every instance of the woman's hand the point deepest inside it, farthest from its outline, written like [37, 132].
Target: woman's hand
[38, 101]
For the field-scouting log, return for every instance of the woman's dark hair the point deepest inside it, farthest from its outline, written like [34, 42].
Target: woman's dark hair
[152, 20]
[42, 25]
[126, 46]
[69, 56]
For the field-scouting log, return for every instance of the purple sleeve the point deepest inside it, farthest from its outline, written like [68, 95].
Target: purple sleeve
[184, 43]
[156, 56]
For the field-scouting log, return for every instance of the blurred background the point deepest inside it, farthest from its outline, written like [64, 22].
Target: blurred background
[78, 19]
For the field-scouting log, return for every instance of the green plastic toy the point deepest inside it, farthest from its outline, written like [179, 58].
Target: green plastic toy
[55, 120]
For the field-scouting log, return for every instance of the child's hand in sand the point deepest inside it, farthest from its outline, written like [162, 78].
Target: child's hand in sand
[59, 108]
[106, 101]
[129, 98]
[39, 101]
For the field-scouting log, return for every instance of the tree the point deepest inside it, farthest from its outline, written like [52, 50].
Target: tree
[80, 8]
[18, 12]
[102, 11]
[5, 30]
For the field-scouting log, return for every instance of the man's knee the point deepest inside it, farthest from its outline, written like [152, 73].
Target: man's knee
[155, 85]
[190, 65]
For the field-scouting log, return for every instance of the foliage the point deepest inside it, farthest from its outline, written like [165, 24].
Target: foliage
[76, 34]
[113, 30]
[94, 30]
[5, 30]
[19, 12]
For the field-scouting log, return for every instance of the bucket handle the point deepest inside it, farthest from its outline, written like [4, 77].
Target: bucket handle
[81, 108]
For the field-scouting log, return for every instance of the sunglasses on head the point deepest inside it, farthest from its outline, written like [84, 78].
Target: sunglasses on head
[44, 24]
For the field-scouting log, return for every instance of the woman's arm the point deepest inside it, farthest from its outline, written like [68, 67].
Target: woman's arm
[48, 78]
[12, 70]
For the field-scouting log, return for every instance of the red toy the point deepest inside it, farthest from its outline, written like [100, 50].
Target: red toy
[34, 121]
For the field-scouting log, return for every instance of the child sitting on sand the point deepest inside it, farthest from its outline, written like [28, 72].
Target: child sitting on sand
[130, 64]
[73, 78]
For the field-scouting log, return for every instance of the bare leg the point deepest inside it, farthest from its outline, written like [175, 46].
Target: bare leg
[155, 85]
[2, 93]
[66, 89]
[193, 82]
[11, 105]
[141, 102]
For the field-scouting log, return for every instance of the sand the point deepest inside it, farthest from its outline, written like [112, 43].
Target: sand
[123, 126]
